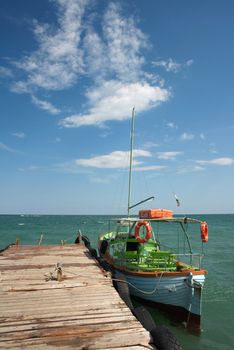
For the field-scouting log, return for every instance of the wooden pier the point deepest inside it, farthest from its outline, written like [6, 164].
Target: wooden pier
[57, 297]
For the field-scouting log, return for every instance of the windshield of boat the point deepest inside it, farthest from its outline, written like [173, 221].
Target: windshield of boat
[124, 229]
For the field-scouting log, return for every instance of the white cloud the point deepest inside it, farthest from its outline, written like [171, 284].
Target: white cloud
[202, 136]
[171, 125]
[33, 168]
[5, 72]
[212, 148]
[113, 58]
[56, 62]
[186, 137]
[217, 161]
[95, 53]
[102, 180]
[70, 167]
[45, 105]
[20, 87]
[117, 54]
[105, 133]
[168, 155]
[198, 168]
[149, 144]
[56, 140]
[154, 79]
[171, 65]
[118, 50]
[4, 147]
[114, 101]
[116, 159]
[124, 43]
[150, 168]
[189, 169]
[20, 134]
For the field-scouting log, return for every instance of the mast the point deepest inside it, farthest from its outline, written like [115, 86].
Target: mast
[130, 164]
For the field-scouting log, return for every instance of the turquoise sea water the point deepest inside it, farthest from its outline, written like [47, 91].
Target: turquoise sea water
[218, 294]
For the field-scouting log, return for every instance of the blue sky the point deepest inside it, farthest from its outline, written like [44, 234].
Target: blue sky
[71, 72]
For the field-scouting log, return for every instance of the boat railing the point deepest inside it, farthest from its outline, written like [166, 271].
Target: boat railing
[146, 261]
[188, 260]
[123, 258]
[157, 260]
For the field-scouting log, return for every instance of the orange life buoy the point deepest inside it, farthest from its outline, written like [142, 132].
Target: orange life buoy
[204, 232]
[137, 231]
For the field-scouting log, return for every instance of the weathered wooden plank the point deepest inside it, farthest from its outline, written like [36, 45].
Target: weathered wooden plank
[83, 311]
[83, 305]
[91, 338]
[71, 342]
[32, 273]
[53, 293]
[77, 322]
[67, 347]
[5, 322]
[69, 329]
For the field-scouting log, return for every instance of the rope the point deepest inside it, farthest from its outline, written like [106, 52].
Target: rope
[71, 273]
[51, 276]
[140, 290]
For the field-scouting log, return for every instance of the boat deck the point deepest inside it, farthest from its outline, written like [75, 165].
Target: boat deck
[82, 311]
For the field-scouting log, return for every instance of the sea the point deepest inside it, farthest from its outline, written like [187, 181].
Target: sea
[218, 293]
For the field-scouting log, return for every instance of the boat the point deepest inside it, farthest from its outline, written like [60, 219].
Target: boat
[153, 251]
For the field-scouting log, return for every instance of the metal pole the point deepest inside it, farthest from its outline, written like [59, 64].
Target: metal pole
[130, 165]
